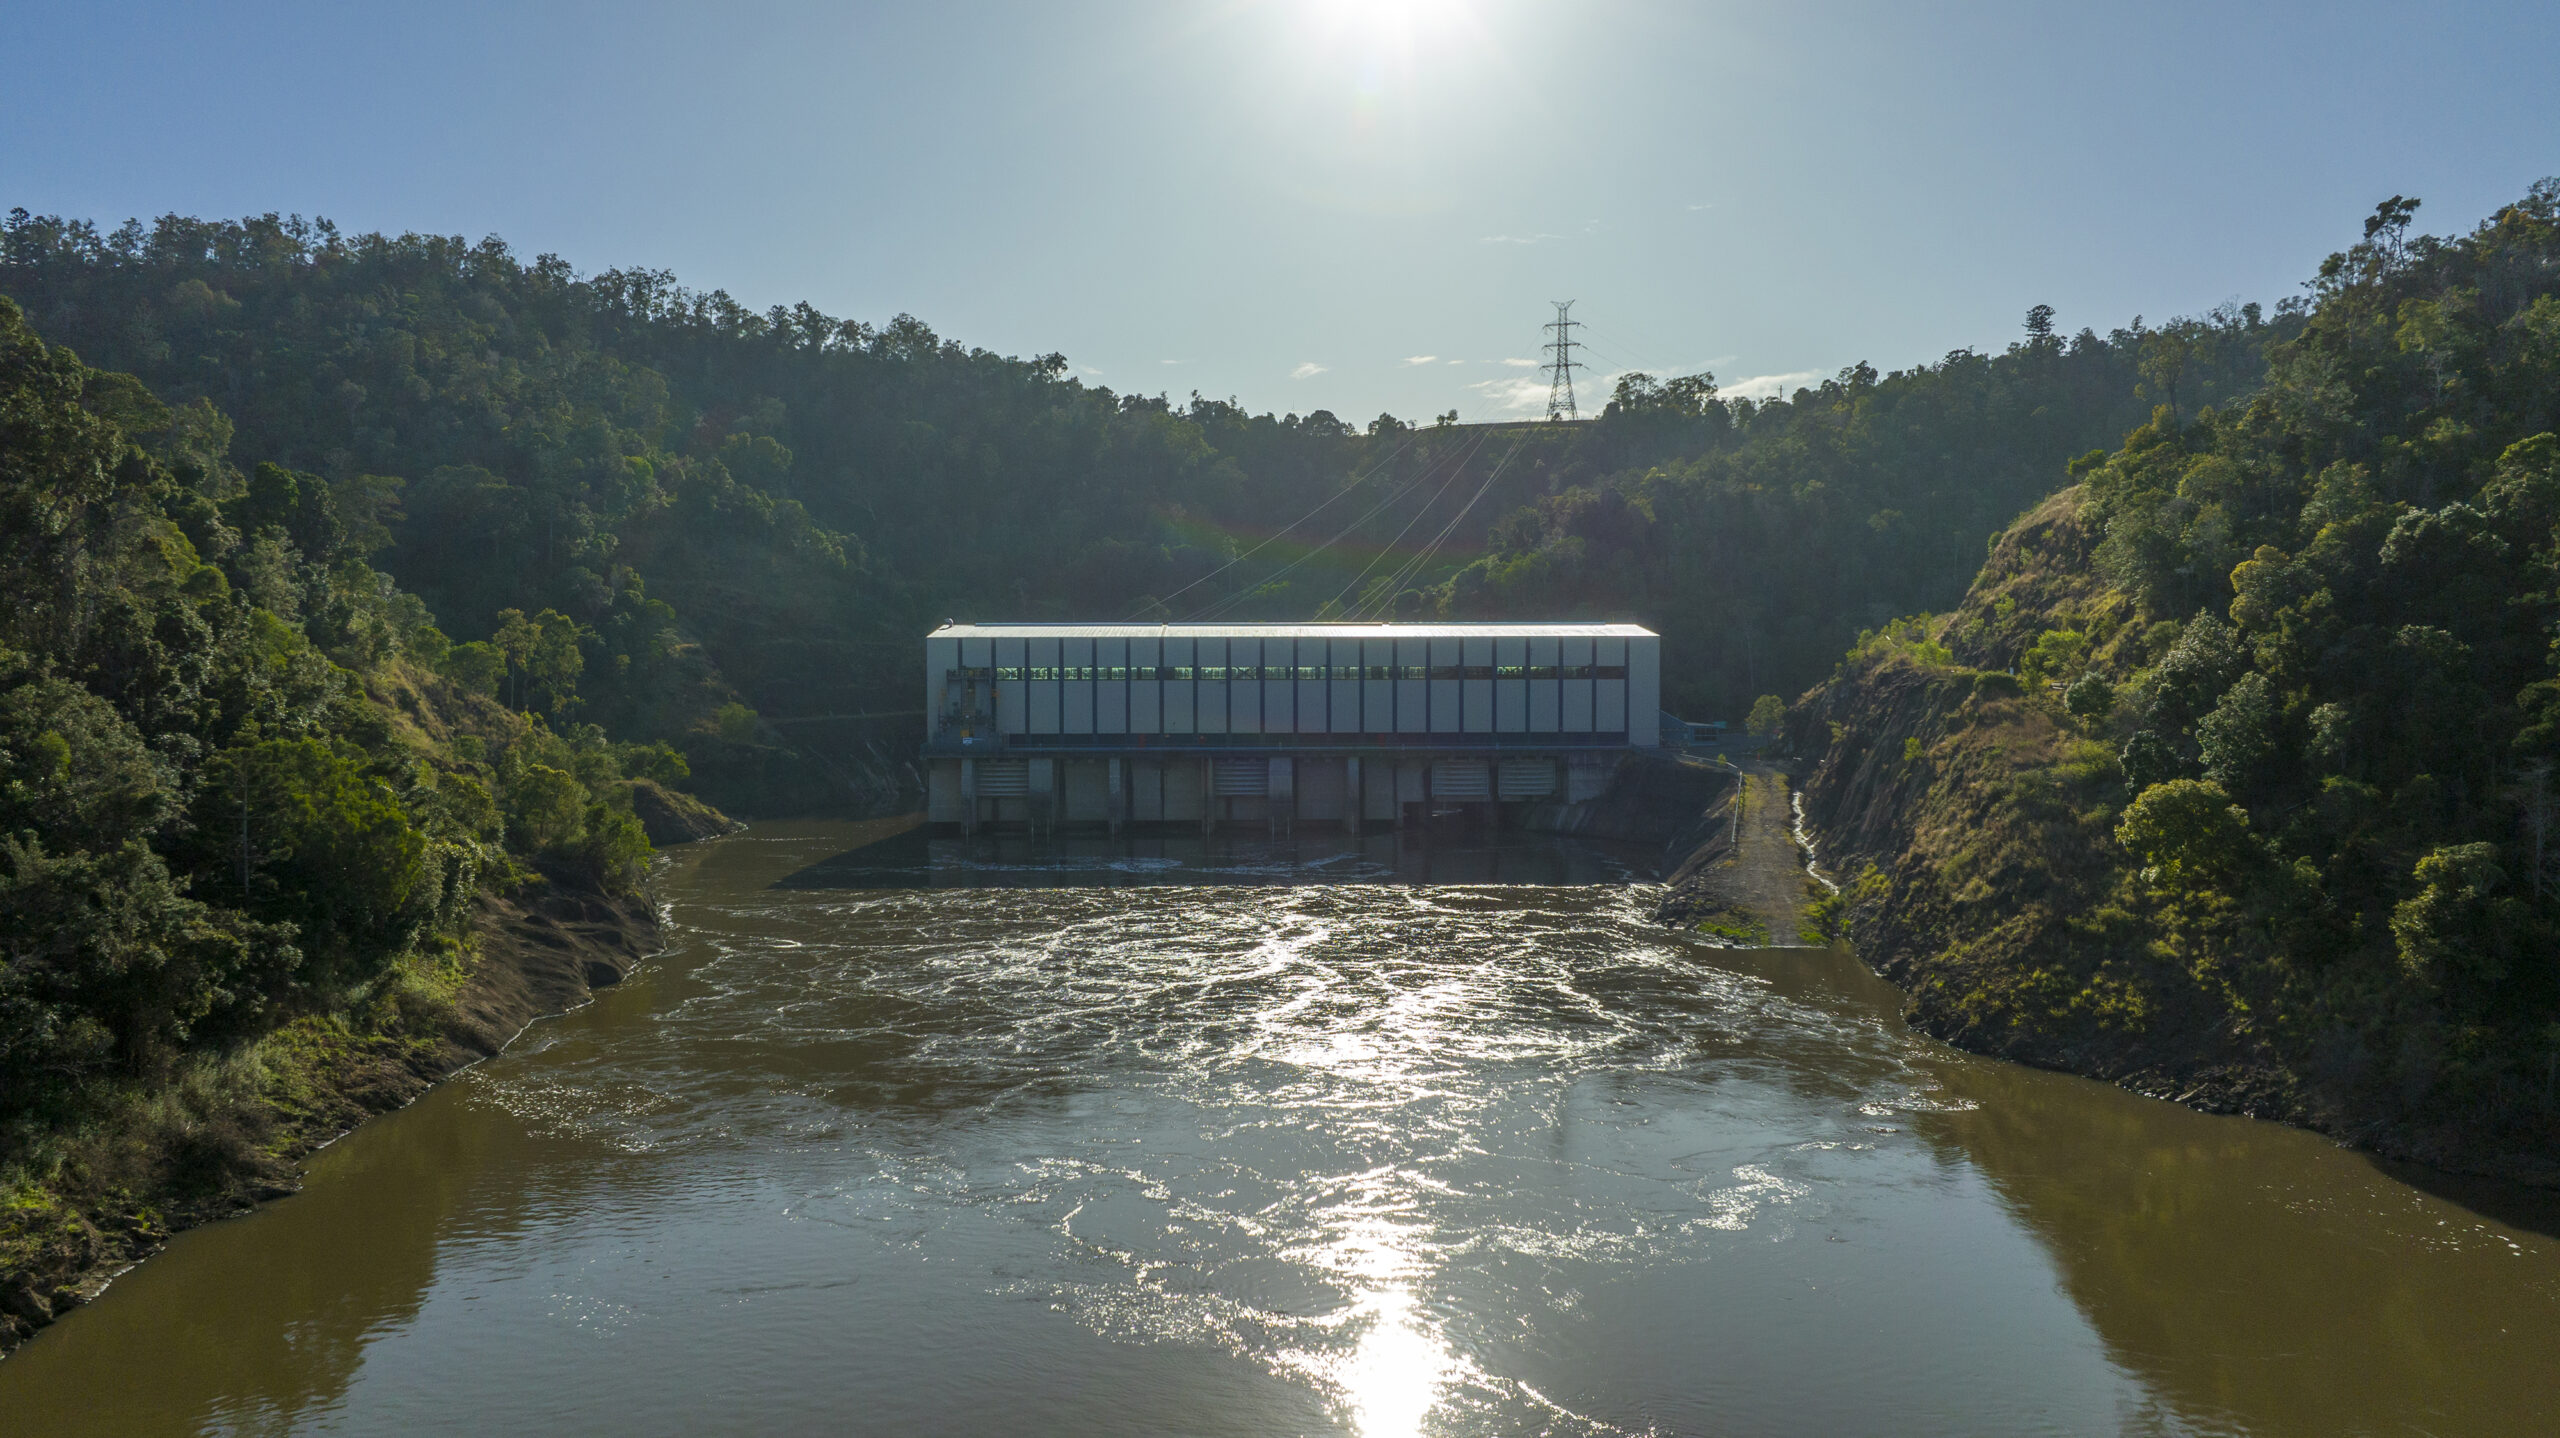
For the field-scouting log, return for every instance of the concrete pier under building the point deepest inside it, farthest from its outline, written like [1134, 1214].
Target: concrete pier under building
[1275, 726]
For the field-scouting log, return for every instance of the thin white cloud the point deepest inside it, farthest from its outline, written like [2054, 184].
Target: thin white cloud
[1771, 386]
[1457, 361]
[1693, 209]
[1309, 370]
[1518, 393]
[1521, 363]
[1173, 361]
[1420, 359]
[1536, 239]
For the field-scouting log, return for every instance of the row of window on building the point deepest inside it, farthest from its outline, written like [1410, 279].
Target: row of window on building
[1283, 673]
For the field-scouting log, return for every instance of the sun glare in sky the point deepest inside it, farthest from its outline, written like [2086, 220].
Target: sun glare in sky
[1384, 23]
[1295, 196]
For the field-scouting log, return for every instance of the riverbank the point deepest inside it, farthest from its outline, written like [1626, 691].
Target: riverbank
[1746, 883]
[1735, 872]
[1724, 836]
[235, 1133]
[1973, 829]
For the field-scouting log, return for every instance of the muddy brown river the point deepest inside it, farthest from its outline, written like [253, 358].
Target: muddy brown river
[1315, 1138]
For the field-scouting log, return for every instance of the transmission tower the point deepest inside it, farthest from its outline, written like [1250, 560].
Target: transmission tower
[1560, 369]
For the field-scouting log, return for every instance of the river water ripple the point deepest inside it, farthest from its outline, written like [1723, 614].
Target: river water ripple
[892, 1145]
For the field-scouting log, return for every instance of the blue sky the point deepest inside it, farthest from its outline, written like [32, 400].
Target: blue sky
[1327, 204]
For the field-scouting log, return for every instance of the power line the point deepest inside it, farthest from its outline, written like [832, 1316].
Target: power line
[1239, 596]
[1560, 370]
[1413, 568]
[1454, 471]
[1356, 481]
[1646, 355]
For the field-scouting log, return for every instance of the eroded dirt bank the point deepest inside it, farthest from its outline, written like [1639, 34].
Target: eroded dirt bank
[536, 953]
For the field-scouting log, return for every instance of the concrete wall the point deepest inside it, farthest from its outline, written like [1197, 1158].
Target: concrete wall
[1651, 799]
[1304, 788]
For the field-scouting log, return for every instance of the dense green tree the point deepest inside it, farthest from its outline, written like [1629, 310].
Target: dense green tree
[2327, 611]
[2188, 831]
[220, 808]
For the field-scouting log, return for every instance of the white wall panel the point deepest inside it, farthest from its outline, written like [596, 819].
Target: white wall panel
[1413, 696]
[1378, 696]
[1544, 698]
[1075, 696]
[1042, 702]
[1575, 714]
[1309, 694]
[1644, 691]
[1212, 701]
[1146, 696]
[1280, 686]
[1179, 717]
[941, 656]
[1546, 701]
[1111, 696]
[1444, 702]
[1447, 707]
[1343, 713]
[1476, 698]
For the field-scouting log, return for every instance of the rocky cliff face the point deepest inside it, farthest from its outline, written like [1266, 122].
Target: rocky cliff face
[1975, 858]
[1973, 821]
[1973, 817]
[672, 817]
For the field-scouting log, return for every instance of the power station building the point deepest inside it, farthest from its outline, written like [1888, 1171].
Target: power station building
[1039, 725]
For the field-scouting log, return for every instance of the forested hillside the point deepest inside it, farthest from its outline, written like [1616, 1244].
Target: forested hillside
[697, 502]
[715, 529]
[2265, 814]
[245, 825]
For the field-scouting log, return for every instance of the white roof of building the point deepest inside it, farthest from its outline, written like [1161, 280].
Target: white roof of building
[1072, 630]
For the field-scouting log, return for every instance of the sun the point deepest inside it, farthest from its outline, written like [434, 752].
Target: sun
[1384, 23]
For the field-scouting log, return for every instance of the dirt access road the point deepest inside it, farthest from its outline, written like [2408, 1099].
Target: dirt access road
[1747, 884]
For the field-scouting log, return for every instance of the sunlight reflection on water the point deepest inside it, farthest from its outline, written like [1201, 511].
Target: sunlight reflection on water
[1393, 1379]
[1263, 1160]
